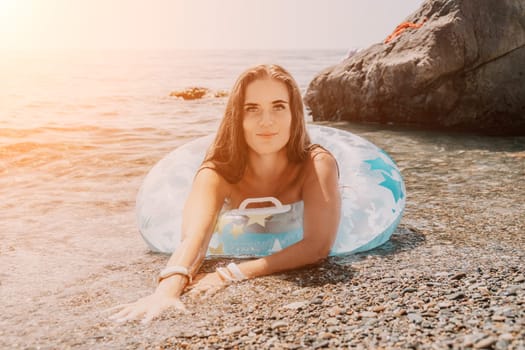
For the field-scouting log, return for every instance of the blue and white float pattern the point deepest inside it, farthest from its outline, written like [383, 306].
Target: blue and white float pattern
[372, 191]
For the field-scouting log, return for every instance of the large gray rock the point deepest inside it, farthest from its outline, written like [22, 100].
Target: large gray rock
[463, 69]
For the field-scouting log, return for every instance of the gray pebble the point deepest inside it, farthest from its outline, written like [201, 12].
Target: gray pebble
[459, 276]
[501, 344]
[485, 343]
[470, 339]
[519, 279]
[456, 296]
[317, 301]
[368, 314]
[506, 336]
[298, 305]
[279, 324]
[321, 344]
[512, 290]
[409, 290]
[445, 305]
[232, 330]
[415, 317]
[332, 321]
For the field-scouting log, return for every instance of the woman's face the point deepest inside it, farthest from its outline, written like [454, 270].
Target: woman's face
[266, 116]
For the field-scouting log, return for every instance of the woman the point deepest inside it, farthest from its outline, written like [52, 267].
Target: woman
[262, 149]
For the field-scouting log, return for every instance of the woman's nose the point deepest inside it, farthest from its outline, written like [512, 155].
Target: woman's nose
[266, 118]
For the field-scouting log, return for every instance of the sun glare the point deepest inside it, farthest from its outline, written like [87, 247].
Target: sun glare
[14, 15]
[8, 11]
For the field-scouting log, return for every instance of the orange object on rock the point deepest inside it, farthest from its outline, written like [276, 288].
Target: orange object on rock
[402, 27]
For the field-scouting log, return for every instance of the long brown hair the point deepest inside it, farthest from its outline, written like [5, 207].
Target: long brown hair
[229, 151]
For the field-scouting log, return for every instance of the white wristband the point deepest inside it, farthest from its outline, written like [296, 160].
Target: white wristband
[236, 272]
[224, 275]
[174, 270]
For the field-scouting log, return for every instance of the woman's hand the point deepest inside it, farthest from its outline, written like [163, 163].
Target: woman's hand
[150, 307]
[206, 285]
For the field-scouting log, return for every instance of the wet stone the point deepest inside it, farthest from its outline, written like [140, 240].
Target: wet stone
[415, 317]
[336, 311]
[409, 290]
[368, 314]
[332, 321]
[317, 301]
[400, 312]
[456, 296]
[501, 344]
[321, 344]
[394, 296]
[279, 324]
[519, 279]
[459, 276]
[298, 305]
[498, 318]
[445, 305]
[378, 308]
[485, 343]
[511, 291]
[327, 335]
[506, 336]
[232, 330]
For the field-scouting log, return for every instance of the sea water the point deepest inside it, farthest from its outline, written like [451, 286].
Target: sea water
[79, 130]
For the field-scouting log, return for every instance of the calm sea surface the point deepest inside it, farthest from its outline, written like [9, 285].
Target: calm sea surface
[80, 130]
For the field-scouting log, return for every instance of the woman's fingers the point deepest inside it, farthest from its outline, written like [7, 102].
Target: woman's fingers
[150, 315]
[121, 313]
[196, 292]
[153, 313]
[129, 312]
[179, 305]
[148, 318]
[116, 307]
[211, 291]
[133, 314]
[148, 308]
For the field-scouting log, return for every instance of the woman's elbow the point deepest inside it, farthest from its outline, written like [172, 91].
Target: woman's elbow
[320, 252]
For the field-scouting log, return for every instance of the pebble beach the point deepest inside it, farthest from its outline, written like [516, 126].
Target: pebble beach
[451, 277]
[80, 131]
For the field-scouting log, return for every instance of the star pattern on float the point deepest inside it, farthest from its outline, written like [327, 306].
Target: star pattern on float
[258, 219]
[379, 164]
[219, 227]
[394, 186]
[218, 250]
[276, 246]
[237, 230]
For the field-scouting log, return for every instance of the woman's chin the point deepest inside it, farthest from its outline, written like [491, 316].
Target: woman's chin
[267, 150]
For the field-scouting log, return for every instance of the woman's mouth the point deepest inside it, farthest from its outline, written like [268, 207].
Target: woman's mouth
[266, 134]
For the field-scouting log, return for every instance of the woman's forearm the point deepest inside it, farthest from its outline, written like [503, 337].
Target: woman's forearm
[190, 254]
[199, 218]
[300, 254]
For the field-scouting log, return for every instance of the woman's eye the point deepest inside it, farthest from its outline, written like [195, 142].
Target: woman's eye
[279, 107]
[251, 109]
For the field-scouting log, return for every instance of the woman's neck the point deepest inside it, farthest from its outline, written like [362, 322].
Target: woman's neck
[267, 167]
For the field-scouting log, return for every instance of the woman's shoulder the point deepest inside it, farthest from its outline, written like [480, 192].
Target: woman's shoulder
[320, 161]
[209, 173]
[319, 154]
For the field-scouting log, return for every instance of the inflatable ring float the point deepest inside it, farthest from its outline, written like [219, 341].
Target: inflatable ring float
[372, 193]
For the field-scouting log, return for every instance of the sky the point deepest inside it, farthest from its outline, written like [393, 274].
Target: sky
[198, 24]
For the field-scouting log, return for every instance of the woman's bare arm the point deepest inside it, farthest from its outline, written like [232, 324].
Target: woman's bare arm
[322, 208]
[206, 198]
[200, 212]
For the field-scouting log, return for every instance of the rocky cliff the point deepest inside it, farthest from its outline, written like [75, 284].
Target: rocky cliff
[453, 64]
